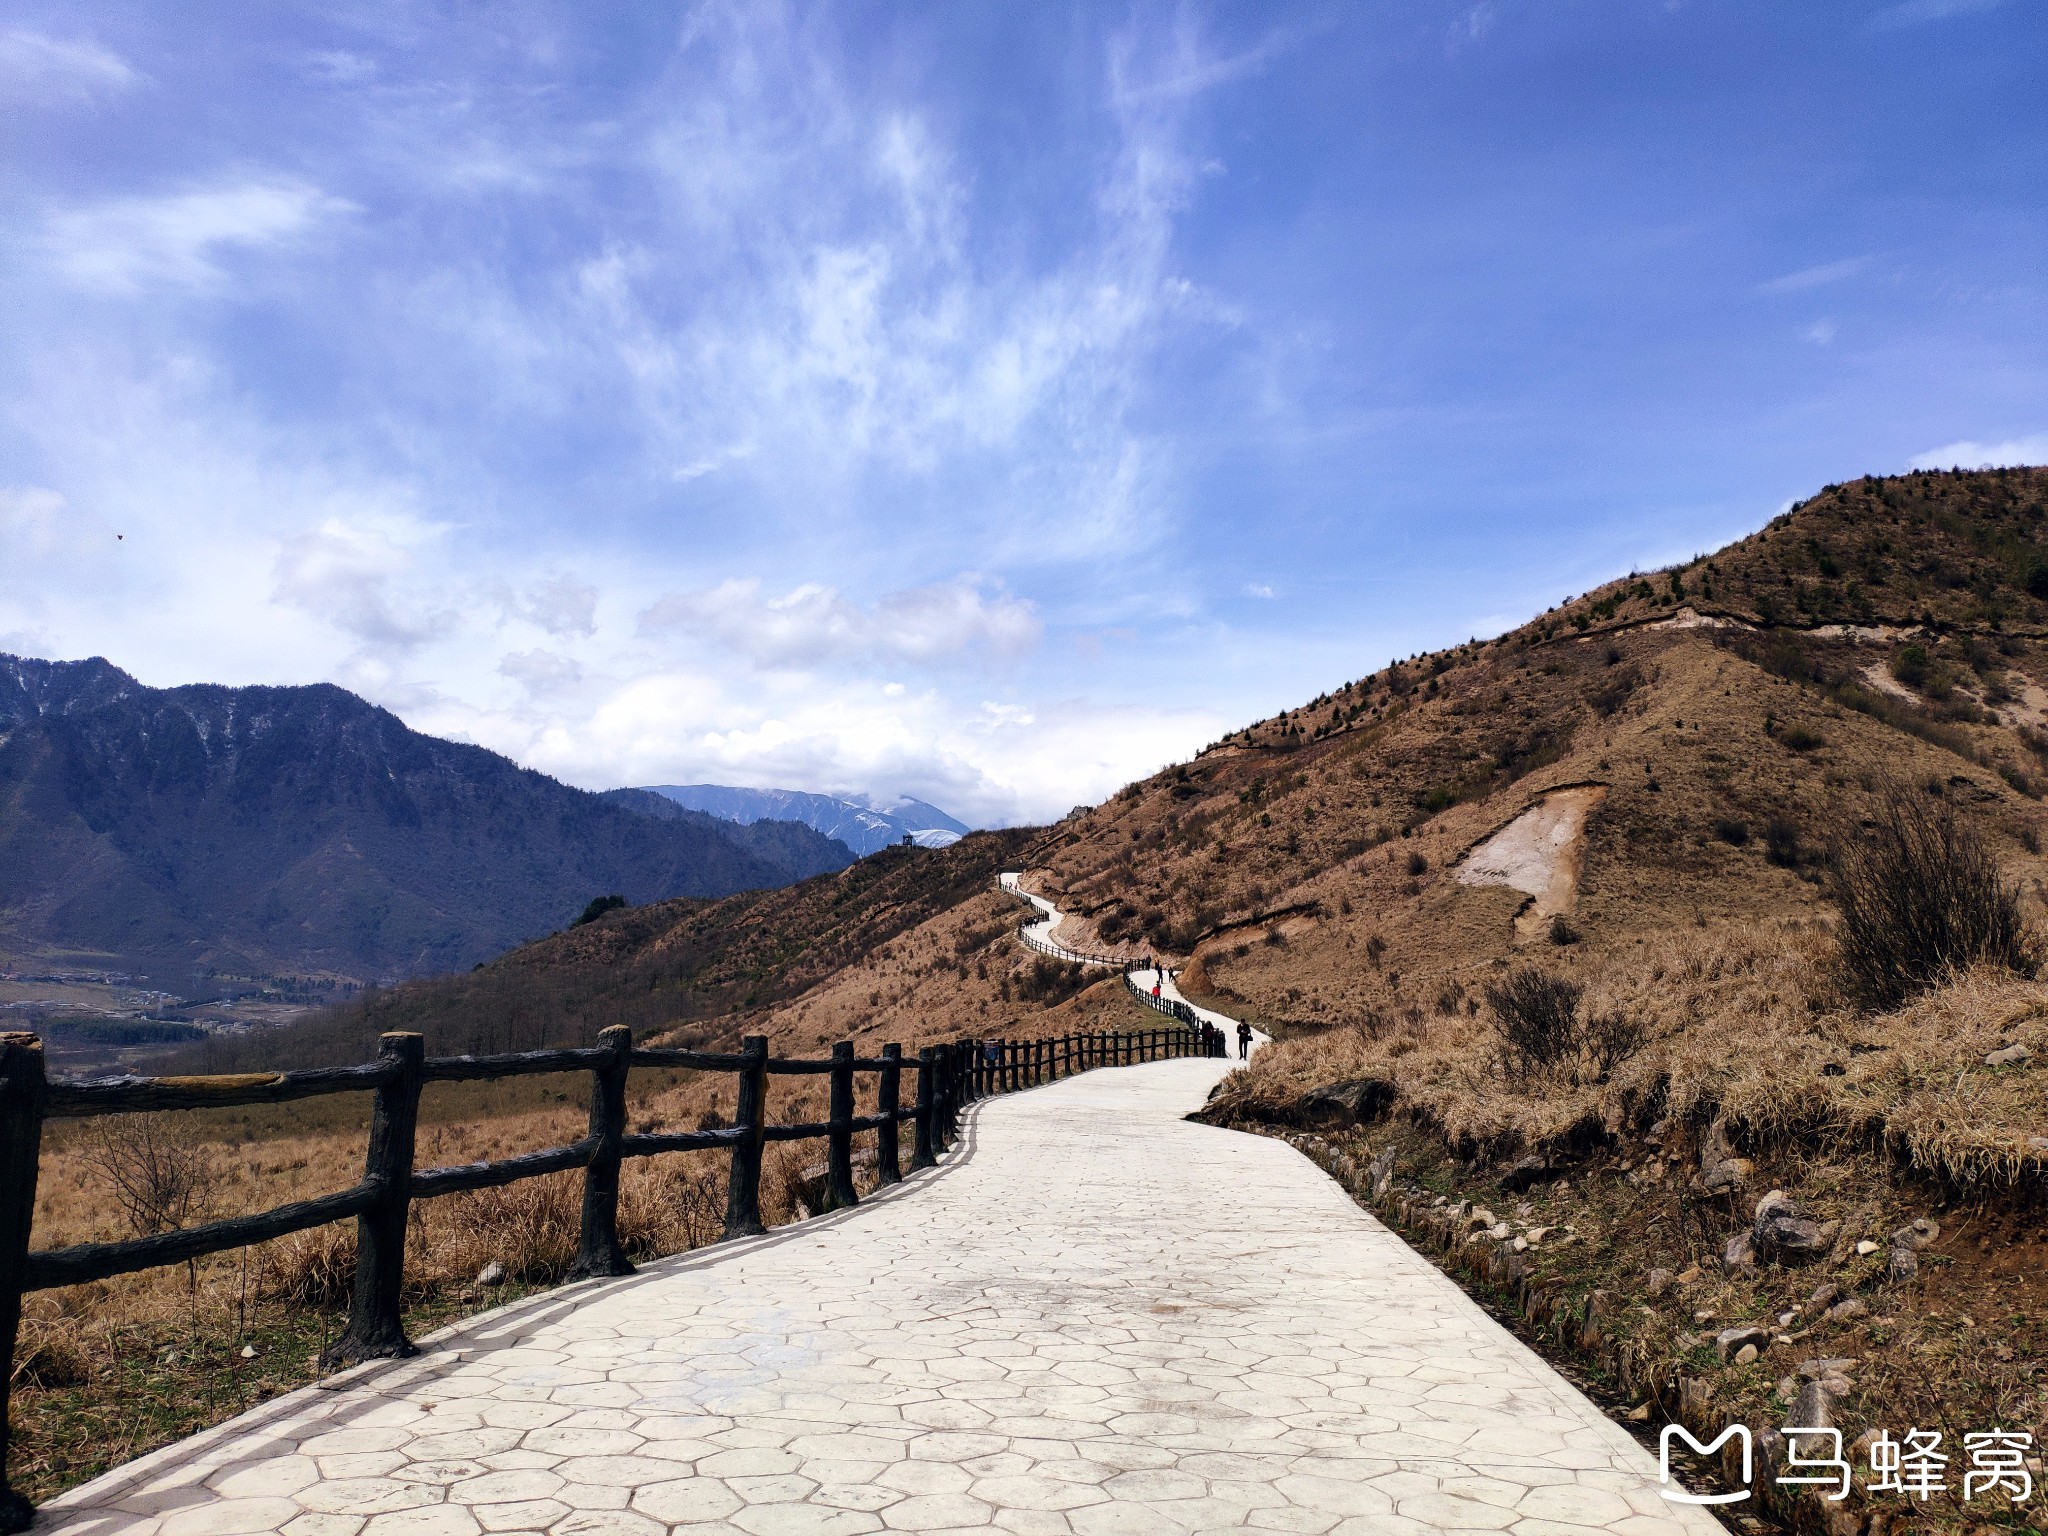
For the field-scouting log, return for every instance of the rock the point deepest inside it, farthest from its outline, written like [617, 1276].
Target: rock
[1521, 1245]
[1787, 1319]
[2009, 1056]
[1827, 1365]
[1499, 1231]
[1739, 1252]
[1865, 1248]
[1657, 1282]
[1482, 1217]
[1823, 1297]
[1689, 1275]
[1525, 1172]
[1732, 1341]
[1729, 1173]
[248, 1351]
[492, 1273]
[1814, 1408]
[1746, 1355]
[1537, 1234]
[1788, 1388]
[1905, 1265]
[1358, 1100]
[1848, 1311]
[1380, 1176]
[1640, 1414]
[1780, 1233]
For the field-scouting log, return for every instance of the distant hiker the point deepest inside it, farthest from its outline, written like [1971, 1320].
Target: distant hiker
[1244, 1040]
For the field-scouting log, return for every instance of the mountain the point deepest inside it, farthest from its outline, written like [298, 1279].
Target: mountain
[302, 831]
[861, 822]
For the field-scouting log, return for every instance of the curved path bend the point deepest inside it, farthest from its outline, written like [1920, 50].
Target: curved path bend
[1095, 1318]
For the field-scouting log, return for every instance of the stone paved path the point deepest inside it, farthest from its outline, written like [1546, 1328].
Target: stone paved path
[1096, 1318]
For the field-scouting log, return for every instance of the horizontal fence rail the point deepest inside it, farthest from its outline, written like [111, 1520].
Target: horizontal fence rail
[948, 1077]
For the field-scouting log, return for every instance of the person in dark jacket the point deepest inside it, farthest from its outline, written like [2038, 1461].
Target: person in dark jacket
[1244, 1040]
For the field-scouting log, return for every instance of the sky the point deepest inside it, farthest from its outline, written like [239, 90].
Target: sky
[991, 403]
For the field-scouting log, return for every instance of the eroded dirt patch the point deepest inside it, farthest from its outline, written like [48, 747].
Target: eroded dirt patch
[1539, 853]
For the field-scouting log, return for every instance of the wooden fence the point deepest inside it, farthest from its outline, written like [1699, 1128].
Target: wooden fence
[948, 1077]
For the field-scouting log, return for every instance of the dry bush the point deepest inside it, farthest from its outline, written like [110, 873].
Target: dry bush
[1921, 900]
[157, 1172]
[314, 1268]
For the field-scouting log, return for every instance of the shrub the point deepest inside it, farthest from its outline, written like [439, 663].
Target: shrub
[1731, 831]
[1921, 898]
[157, 1173]
[1562, 932]
[1417, 864]
[1538, 1018]
[1800, 739]
[1543, 1032]
[1781, 842]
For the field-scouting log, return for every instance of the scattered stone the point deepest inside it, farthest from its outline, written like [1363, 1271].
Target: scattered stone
[1814, 1407]
[1704, 1315]
[492, 1273]
[1729, 1173]
[1525, 1172]
[2037, 1144]
[1537, 1234]
[1782, 1234]
[1657, 1282]
[1848, 1311]
[1732, 1341]
[1787, 1319]
[1639, 1414]
[1739, 1252]
[2009, 1056]
[1905, 1265]
[1746, 1355]
[1865, 1248]
[1689, 1275]
[1788, 1388]
[248, 1351]
[1831, 1365]
[1824, 1297]
[1499, 1231]
[1521, 1244]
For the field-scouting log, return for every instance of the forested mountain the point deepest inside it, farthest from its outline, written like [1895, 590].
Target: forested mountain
[255, 831]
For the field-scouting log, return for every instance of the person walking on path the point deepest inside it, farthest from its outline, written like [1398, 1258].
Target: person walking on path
[1244, 1040]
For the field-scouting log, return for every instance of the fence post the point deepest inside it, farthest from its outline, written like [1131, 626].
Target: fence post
[887, 1093]
[750, 1119]
[925, 1154]
[376, 1322]
[23, 1088]
[597, 1249]
[839, 1157]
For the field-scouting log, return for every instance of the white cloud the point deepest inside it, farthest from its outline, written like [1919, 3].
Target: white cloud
[39, 70]
[1975, 455]
[1815, 277]
[126, 245]
[1821, 333]
[1912, 13]
[1258, 589]
[352, 574]
[815, 624]
[562, 605]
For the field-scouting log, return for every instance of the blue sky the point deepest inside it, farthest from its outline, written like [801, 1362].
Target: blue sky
[990, 403]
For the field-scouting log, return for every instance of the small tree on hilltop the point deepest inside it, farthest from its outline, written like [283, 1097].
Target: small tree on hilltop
[1921, 899]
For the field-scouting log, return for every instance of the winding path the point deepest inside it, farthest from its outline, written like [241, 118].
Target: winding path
[1095, 1318]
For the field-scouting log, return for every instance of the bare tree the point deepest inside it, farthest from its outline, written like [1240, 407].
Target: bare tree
[156, 1171]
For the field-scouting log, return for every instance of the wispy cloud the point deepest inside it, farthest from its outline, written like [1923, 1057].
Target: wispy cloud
[1815, 277]
[1913, 13]
[814, 624]
[180, 239]
[1969, 454]
[39, 70]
